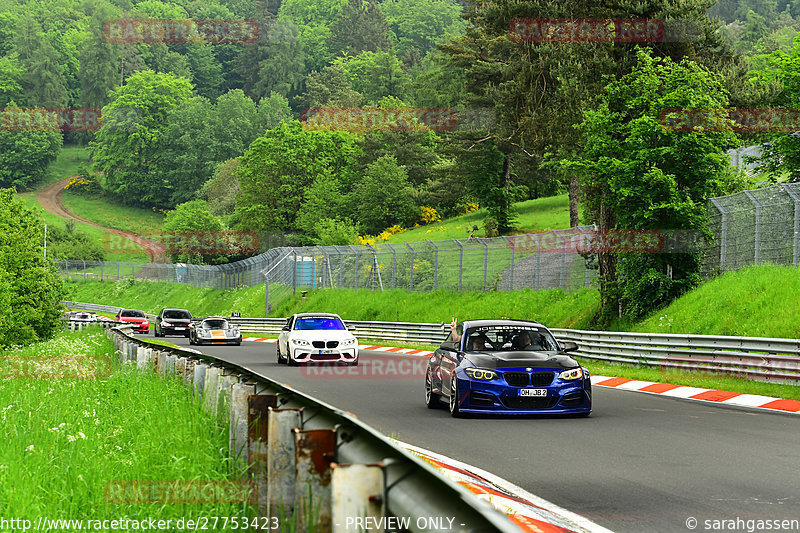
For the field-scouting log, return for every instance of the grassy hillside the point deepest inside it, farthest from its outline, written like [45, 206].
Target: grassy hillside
[67, 164]
[533, 216]
[759, 301]
[553, 307]
[111, 214]
[94, 233]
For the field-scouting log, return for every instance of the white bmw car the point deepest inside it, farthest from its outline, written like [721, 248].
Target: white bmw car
[315, 338]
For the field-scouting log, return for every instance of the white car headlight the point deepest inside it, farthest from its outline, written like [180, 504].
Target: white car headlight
[349, 342]
[165, 323]
[203, 333]
[301, 342]
[574, 373]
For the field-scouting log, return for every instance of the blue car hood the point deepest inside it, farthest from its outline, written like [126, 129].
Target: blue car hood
[517, 359]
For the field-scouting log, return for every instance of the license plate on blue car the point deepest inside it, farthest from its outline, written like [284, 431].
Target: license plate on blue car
[533, 392]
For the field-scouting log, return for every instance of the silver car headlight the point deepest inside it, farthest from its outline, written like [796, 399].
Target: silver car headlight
[203, 333]
[573, 373]
[301, 342]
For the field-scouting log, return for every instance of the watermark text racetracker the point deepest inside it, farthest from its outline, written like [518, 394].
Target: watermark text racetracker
[397, 118]
[602, 30]
[740, 120]
[50, 119]
[583, 241]
[209, 242]
[200, 523]
[750, 525]
[55, 367]
[370, 367]
[181, 31]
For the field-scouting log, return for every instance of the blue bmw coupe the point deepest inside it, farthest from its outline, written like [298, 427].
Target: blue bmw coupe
[506, 367]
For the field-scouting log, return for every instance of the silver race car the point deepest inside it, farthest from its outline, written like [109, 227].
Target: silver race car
[214, 330]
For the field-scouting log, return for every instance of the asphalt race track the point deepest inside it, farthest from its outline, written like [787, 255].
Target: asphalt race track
[640, 463]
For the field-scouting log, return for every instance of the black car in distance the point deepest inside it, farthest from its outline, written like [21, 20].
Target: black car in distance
[171, 321]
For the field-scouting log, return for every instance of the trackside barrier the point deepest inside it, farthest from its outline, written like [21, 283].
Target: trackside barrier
[757, 358]
[309, 458]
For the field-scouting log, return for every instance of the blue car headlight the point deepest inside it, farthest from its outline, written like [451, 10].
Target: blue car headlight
[571, 374]
[481, 374]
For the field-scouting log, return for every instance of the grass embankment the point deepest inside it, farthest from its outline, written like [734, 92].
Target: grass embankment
[65, 439]
[553, 307]
[110, 214]
[533, 216]
[68, 163]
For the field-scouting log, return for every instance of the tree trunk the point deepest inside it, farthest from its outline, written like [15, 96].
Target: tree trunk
[609, 290]
[573, 202]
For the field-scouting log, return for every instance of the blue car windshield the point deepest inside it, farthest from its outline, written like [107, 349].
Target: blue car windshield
[318, 323]
[509, 338]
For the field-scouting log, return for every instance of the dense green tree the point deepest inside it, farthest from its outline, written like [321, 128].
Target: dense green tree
[43, 81]
[130, 147]
[189, 222]
[374, 75]
[31, 289]
[99, 64]
[421, 24]
[11, 74]
[637, 175]
[278, 167]
[221, 190]
[360, 27]
[329, 87]
[385, 185]
[207, 75]
[271, 111]
[25, 155]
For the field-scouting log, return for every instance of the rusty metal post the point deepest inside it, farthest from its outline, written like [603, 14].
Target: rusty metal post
[199, 379]
[280, 462]
[258, 406]
[210, 389]
[238, 421]
[180, 367]
[357, 491]
[314, 450]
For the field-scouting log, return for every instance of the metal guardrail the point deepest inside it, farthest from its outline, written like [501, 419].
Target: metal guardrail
[299, 448]
[757, 358]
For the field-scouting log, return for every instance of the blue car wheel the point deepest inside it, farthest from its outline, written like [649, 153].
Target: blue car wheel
[454, 411]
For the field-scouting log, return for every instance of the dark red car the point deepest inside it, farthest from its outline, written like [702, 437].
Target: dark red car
[135, 317]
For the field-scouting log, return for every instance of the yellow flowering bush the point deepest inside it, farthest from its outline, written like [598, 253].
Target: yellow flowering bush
[428, 215]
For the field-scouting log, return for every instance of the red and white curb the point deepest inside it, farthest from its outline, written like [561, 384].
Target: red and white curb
[704, 395]
[391, 349]
[529, 512]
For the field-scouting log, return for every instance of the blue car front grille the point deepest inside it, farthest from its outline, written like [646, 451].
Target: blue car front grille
[523, 379]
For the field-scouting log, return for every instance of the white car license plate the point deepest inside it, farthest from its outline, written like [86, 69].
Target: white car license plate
[179, 328]
[533, 392]
[327, 351]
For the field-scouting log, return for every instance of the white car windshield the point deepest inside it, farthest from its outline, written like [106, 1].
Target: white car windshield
[318, 323]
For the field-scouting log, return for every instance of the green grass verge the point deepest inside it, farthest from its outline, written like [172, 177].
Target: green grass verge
[65, 439]
[100, 235]
[533, 216]
[110, 214]
[553, 307]
[758, 301]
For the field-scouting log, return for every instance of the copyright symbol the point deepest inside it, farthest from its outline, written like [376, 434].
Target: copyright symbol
[691, 522]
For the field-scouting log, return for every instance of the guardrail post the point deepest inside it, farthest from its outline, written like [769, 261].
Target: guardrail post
[180, 367]
[238, 421]
[258, 406]
[170, 364]
[142, 361]
[224, 388]
[357, 490]
[140, 352]
[211, 388]
[281, 461]
[188, 375]
[161, 363]
[199, 379]
[314, 451]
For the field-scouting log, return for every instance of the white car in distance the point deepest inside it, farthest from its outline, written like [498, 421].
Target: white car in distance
[316, 338]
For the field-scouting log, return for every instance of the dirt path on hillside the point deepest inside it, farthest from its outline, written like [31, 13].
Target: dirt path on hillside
[50, 199]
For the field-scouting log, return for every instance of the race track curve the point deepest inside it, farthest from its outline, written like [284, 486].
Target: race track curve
[640, 463]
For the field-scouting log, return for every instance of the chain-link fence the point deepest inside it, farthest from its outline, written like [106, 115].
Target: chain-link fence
[754, 227]
[538, 261]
